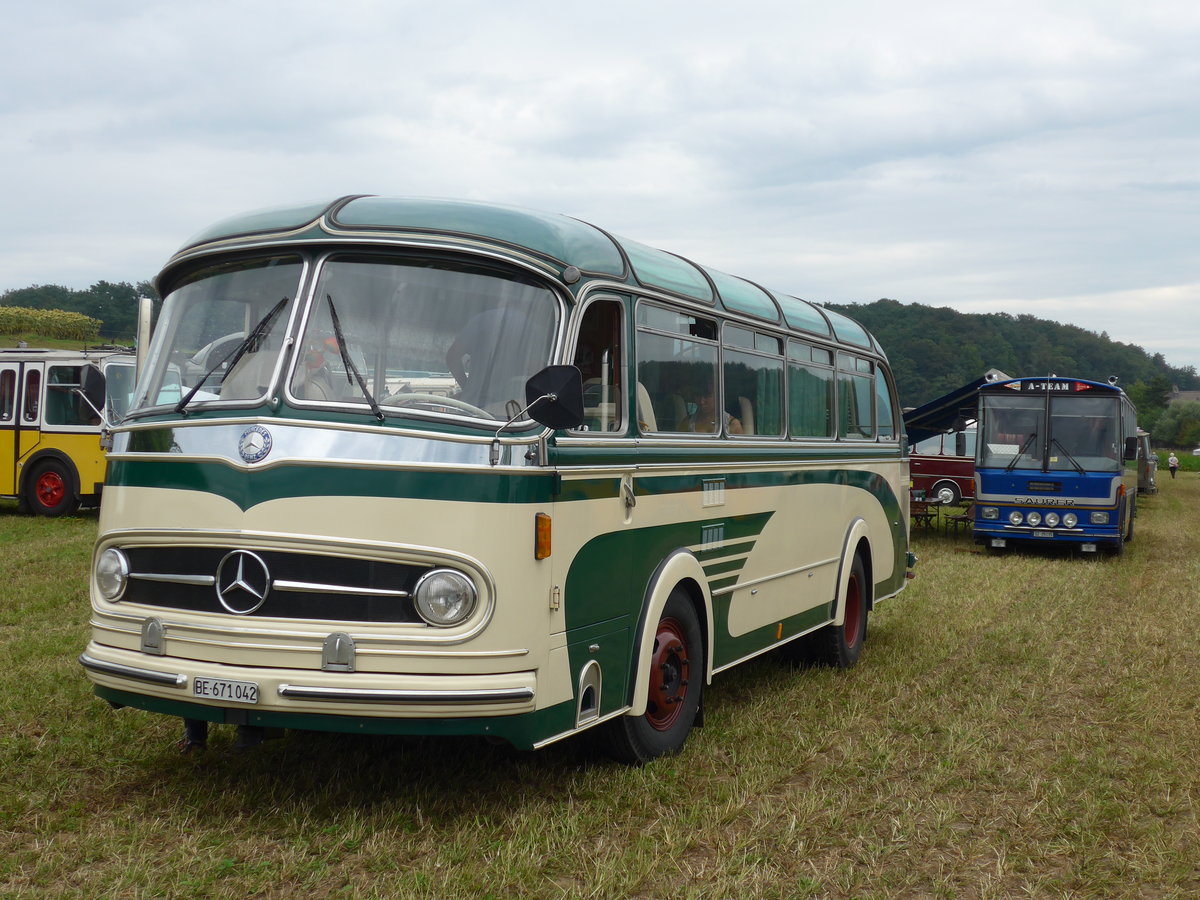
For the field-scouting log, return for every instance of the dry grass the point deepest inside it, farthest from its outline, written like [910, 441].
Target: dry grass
[1021, 725]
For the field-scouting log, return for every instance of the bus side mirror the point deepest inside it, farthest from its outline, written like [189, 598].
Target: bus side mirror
[554, 397]
[1131, 448]
[92, 383]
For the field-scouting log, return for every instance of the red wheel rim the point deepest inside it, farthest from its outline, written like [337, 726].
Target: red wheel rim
[670, 670]
[51, 490]
[854, 612]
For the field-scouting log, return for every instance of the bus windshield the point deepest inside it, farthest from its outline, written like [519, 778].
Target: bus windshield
[388, 334]
[403, 334]
[1082, 433]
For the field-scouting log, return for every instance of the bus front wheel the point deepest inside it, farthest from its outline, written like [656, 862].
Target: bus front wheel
[50, 490]
[676, 678]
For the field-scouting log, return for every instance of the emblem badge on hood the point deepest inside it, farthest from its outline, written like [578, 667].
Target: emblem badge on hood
[254, 444]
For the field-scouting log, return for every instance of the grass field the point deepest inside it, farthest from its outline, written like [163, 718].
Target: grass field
[1020, 725]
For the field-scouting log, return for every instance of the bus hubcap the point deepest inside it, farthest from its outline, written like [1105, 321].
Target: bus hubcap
[50, 489]
[669, 673]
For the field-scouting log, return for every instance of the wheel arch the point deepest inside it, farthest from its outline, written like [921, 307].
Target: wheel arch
[856, 542]
[35, 459]
[681, 569]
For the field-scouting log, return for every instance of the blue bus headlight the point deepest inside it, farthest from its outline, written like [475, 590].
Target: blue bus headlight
[445, 597]
[989, 512]
[1014, 518]
[1035, 519]
[112, 573]
[1099, 518]
[1070, 520]
[1052, 519]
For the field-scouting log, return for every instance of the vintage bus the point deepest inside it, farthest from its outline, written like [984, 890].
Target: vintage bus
[1056, 464]
[467, 469]
[943, 466]
[50, 425]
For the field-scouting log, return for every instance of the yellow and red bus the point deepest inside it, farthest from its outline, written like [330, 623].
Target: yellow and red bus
[51, 423]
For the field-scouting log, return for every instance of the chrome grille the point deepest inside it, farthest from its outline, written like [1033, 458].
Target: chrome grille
[302, 585]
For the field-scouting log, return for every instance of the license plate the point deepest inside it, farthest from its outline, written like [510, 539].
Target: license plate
[224, 690]
[1043, 534]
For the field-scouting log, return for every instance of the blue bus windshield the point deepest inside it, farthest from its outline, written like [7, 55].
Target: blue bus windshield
[1080, 434]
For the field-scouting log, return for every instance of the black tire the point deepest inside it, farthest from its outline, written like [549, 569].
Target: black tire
[676, 677]
[841, 645]
[50, 489]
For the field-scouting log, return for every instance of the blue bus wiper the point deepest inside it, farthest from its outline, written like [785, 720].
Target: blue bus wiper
[1067, 454]
[349, 363]
[237, 353]
[1025, 446]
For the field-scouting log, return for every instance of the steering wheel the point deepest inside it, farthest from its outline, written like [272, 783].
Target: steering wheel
[417, 399]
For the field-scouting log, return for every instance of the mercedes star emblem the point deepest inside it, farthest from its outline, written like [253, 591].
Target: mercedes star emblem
[243, 582]
[254, 444]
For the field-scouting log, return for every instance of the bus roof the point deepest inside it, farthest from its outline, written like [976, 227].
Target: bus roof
[51, 354]
[569, 248]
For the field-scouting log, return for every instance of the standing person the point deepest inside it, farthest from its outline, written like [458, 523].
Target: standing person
[1173, 463]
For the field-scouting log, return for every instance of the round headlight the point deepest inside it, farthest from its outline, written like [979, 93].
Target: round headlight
[1035, 519]
[445, 597]
[1070, 520]
[1014, 518]
[112, 573]
[1052, 519]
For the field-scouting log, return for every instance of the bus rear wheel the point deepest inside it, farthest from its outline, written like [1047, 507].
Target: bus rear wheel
[675, 680]
[50, 490]
[840, 646]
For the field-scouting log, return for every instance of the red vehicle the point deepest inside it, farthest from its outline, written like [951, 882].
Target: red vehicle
[943, 466]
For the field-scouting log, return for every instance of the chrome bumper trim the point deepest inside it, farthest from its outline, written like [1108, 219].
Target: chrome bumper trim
[94, 665]
[367, 695]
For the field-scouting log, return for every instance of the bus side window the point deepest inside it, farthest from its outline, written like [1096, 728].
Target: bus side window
[33, 392]
[8, 394]
[63, 405]
[599, 357]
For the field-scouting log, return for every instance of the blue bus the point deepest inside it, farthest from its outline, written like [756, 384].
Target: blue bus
[1056, 462]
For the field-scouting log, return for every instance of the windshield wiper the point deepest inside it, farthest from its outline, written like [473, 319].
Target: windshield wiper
[1025, 446]
[1067, 454]
[256, 333]
[348, 362]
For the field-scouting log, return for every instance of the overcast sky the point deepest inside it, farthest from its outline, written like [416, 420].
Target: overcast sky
[1028, 157]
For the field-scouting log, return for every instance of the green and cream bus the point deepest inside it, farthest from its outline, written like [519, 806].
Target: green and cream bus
[453, 468]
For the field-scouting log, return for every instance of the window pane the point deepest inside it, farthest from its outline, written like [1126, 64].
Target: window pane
[8, 394]
[599, 355]
[753, 394]
[675, 378]
[33, 390]
[63, 405]
[810, 401]
[417, 333]
[854, 406]
[883, 406]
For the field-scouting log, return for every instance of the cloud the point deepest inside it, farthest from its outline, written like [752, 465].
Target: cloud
[939, 153]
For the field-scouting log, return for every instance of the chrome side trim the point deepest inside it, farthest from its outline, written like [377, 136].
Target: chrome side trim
[121, 671]
[368, 695]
